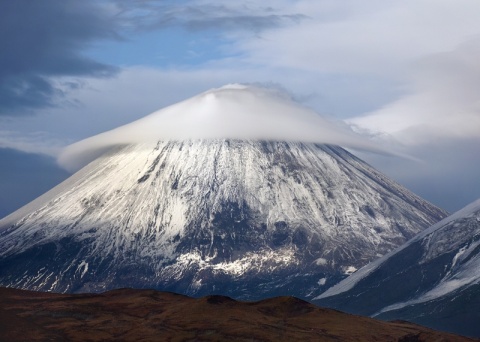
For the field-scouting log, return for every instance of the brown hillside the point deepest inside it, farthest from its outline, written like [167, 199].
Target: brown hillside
[148, 315]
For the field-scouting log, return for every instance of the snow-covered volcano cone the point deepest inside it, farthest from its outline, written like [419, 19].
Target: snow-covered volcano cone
[248, 217]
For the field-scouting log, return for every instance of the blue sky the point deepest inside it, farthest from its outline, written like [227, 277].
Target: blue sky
[404, 74]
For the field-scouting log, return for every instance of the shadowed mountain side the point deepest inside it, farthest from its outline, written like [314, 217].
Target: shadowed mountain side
[147, 315]
[433, 279]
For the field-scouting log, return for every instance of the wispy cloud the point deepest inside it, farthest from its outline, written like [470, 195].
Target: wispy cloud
[205, 15]
[35, 142]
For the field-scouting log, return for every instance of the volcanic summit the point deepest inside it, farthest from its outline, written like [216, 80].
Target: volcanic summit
[204, 197]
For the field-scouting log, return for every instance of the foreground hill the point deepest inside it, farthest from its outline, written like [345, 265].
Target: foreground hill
[148, 315]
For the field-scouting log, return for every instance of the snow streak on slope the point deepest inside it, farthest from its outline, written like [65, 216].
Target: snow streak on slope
[204, 216]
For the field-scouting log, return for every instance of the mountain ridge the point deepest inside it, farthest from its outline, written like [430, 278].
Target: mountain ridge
[438, 270]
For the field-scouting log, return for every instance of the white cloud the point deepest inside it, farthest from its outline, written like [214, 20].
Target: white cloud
[365, 37]
[444, 102]
[231, 112]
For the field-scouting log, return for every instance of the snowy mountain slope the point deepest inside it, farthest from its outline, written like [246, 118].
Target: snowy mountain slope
[433, 279]
[244, 218]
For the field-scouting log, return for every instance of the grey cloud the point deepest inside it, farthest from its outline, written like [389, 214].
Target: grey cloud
[203, 16]
[44, 39]
[249, 22]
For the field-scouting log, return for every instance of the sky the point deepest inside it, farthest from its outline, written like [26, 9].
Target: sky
[403, 74]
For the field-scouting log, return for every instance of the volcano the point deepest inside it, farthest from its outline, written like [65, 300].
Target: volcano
[249, 218]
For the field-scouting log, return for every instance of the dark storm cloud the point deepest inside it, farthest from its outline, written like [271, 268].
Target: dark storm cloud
[43, 39]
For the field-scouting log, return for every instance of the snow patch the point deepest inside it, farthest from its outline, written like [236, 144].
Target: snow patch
[350, 270]
[458, 255]
[440, 290]
[83, 268]
[321, 261]
[251, 261]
